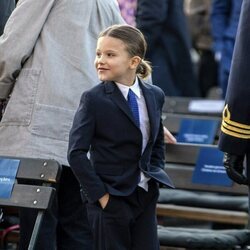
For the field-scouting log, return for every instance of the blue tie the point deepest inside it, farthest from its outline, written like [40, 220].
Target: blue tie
[134, 106]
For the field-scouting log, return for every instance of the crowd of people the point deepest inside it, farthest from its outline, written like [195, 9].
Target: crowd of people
[109, 137]
[200, 34]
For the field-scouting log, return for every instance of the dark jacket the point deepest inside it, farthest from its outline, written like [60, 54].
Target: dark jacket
[236, 116]
[164, 26]
[6, 8]
[104, 125]
[224, 17]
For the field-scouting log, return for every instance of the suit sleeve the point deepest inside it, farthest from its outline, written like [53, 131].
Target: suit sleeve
[235, 127]
[81, 136]
[219, 20]
[158, 154]
[19, 39]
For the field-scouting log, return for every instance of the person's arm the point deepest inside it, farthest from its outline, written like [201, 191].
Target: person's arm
[158, 150]
[150, 18]
[80, 139]
[19, 39]
[235, 128]
[6, 7]
[219, 20]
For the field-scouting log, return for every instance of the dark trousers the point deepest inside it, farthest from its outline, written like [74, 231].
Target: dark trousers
[126, 222]
[65, 226]
[207, 71]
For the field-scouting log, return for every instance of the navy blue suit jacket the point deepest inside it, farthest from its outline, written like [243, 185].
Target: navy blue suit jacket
[104, 125]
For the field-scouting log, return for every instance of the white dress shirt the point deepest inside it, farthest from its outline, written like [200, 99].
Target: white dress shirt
[144, 120]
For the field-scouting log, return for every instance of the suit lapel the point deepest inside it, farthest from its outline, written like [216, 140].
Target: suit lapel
[116, 96]
[151, 106]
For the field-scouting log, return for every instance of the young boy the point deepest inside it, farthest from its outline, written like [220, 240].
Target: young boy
[119, 123]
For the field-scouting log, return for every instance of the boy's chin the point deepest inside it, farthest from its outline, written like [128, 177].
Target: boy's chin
[104, 79]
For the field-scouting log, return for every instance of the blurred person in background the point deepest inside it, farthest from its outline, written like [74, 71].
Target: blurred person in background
[46, 62]
[224, 18]
[163, 23]
[6, 7]
[199, 23]
[128, 10]
[235, 129]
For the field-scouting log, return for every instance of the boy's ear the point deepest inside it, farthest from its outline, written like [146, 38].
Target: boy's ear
[135, 61]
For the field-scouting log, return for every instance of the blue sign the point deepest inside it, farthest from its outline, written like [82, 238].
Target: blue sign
[8, 171]
[209, 168]
[199, 131]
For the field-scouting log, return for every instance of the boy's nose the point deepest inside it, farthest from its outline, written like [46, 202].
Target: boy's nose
[101, 59]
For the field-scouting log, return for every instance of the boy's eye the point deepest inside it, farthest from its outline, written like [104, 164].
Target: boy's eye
[98, 54]
[110, 55]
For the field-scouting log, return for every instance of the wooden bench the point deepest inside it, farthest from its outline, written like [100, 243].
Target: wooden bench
[177, 238]
[193, 106]
[226, 205]
[40, 177]
[173, 122]
[208, 199]
[205, 206]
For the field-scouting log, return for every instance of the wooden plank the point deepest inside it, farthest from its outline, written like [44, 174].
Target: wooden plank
[33, 189]
[37, 197]
[182, 177]
[183, 153]
[37, 169]
[177, 104]
[181, 105]
[173, 121]
[205, 214]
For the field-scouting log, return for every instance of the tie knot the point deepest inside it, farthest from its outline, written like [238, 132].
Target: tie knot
[131, 95]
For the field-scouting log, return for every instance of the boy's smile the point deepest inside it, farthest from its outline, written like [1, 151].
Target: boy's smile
[113, 62]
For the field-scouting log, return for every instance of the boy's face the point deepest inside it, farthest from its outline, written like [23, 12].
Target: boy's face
[113, 62]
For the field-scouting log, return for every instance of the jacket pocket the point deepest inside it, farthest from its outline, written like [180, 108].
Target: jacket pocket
[20, 106]
[52, 122]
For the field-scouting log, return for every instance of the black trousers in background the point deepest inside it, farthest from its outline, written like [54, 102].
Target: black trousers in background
[126, 223]
[65, 226]
[207, 72]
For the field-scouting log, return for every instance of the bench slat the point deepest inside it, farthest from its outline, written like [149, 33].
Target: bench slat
[39, 169]
[38, 197]
[182, 178]
[205, 214]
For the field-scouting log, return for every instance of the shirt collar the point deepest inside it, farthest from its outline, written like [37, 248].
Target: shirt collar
[135, 88]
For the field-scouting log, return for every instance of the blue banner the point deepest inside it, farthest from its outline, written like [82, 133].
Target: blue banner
[8, 171]
[199, 131]
[209, 168]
